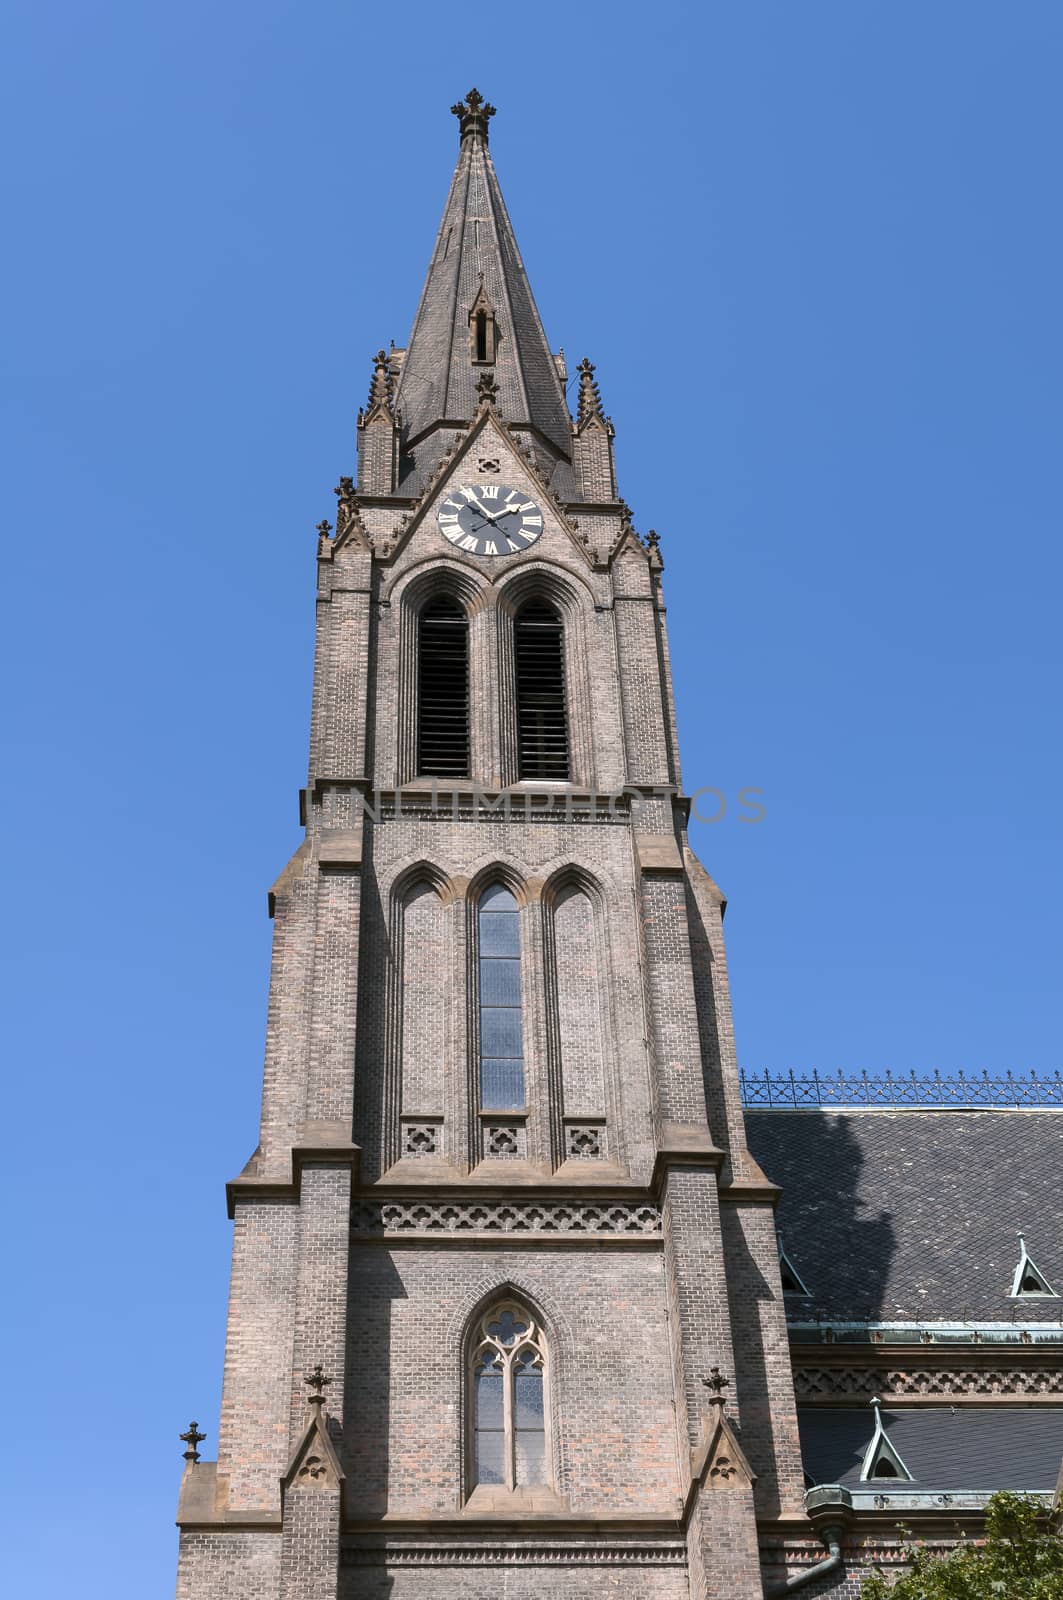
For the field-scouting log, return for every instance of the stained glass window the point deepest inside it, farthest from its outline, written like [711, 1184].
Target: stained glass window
[509, 1401]
[501, 1037]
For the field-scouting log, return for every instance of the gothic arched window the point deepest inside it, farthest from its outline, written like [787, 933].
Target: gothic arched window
[542, 725]
[501, 1033]
[443, 690]
[507, 1376]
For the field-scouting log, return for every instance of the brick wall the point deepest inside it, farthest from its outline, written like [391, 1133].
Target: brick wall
[626, 1023]
[610, 1382]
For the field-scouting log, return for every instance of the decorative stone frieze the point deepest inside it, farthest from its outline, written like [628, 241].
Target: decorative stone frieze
[425, 1216]
[834, 1383]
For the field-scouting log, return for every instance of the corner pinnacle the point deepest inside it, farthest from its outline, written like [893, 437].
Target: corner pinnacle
[590, 398]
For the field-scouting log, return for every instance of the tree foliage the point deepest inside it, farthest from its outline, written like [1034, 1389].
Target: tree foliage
[1021, 1559]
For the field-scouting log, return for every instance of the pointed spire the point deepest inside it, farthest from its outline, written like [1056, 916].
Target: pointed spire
[590, 398]
[474, 114]
[476, 265]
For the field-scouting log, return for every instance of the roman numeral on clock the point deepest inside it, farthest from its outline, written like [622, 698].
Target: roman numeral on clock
[489, 519]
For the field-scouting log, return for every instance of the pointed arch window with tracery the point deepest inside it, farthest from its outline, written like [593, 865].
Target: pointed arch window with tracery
[508, 1382]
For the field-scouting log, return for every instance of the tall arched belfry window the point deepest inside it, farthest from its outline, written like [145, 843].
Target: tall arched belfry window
[443, 690]
[542, 725]
[501, 1033]
[509, 1399]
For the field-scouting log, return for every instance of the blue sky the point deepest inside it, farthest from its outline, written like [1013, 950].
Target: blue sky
[815, 250]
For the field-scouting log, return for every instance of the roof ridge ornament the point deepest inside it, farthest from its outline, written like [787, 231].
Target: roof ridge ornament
[474, 113]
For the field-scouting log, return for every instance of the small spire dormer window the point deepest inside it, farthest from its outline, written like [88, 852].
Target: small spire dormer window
[881, 1458]
[792, 1282]
[1029, 1281]
[483, 331]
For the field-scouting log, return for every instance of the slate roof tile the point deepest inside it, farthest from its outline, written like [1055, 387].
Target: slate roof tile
[889, 1216]
[969, 1448]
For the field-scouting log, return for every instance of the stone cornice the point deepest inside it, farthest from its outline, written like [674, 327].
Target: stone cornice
[322, 1150]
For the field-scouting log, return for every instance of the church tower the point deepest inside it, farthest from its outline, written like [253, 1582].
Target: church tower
[506, 1313]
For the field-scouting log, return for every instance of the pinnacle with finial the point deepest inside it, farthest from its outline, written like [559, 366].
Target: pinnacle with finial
[474, 113]
[717, 1383]
[317, 1383]
[487, 388]
[193, 1438]
[324, 528]
[590, 399]
[380, 385]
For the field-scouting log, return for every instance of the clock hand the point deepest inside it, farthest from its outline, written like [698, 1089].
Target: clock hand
[476, 506]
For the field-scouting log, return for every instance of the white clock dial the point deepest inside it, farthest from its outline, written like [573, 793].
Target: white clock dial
[490, 519]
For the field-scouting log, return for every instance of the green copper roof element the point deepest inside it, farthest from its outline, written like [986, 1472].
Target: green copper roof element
[476, 263]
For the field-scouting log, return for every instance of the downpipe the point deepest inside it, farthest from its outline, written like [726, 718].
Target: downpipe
[832, 1562]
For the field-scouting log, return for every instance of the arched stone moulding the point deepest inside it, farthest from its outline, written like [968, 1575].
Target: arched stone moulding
[408, 596]
[570, 596]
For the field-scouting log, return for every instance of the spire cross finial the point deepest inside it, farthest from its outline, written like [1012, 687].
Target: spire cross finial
[317, 1383]
[192, 1439]
[324, 528]
[474, 114]
[717, 1383]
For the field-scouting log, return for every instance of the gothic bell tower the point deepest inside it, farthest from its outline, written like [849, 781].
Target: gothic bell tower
[505, 1287]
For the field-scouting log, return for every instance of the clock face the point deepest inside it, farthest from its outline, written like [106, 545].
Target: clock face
[488, 519]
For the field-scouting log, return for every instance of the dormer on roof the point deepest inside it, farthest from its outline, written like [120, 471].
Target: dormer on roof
[1029, 1281]
[483, 329]
[792, 1282]
[882, 1459]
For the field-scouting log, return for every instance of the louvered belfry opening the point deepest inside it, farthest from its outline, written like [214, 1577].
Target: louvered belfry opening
[542, 727]
[443, 690]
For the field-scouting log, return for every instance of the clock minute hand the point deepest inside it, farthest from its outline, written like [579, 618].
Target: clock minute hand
[481, 509]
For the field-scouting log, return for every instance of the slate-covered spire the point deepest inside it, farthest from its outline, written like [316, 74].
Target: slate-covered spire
[476, 264]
